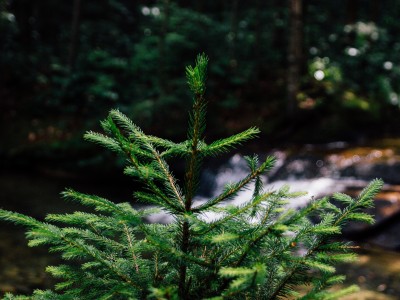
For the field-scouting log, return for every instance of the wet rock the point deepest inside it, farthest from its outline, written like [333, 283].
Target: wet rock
[300, 167]
[389, 172]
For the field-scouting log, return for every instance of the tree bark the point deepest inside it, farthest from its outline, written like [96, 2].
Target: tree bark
[294, 54]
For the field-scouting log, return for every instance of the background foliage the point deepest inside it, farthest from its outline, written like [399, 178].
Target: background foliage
[64, 64]
[260, 249]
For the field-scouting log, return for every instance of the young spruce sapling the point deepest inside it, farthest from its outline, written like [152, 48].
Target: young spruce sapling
[258, 250]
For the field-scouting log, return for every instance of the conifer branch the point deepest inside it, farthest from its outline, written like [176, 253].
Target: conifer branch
[252, 243]
[193, 162]
[224, 145]
[153, 187]
[246, 207]
[364, 200]
[98, 203]
[103, 140]
[177, 254]
[172, 182]
[196, 79]
[181, 150]
[53, 233]
[141, 138]
[267, 213]
[103, 261]
[235, 188]
[156, 275]
[166, 144]
[128, 236]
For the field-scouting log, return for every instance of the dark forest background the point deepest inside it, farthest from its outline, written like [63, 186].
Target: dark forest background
[304, 71]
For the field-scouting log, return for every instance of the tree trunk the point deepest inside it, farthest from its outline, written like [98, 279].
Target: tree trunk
[375, 7]
[73, 45]
[258, 34]
[295, 54]
[352, 10]
[233, 35]
[162, 75]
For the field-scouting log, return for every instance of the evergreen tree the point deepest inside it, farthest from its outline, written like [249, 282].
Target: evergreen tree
[258, 250]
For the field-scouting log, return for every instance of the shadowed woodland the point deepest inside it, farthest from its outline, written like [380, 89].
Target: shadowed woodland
[320, 80]
[300, 70]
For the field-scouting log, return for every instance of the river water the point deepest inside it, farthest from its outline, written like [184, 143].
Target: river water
[319, 169]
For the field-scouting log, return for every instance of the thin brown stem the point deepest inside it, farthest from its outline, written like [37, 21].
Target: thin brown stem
[183, 267]
[190, 178]
[169, 176]
[151, 184]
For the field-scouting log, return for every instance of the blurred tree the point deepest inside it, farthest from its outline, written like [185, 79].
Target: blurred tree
[162, 47]
[76, 12]
[232, 35]
[352, 11]
[131, 54]
[295, 53]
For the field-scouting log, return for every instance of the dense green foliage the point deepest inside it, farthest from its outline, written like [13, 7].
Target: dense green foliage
[258, 250]
[120, 54]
